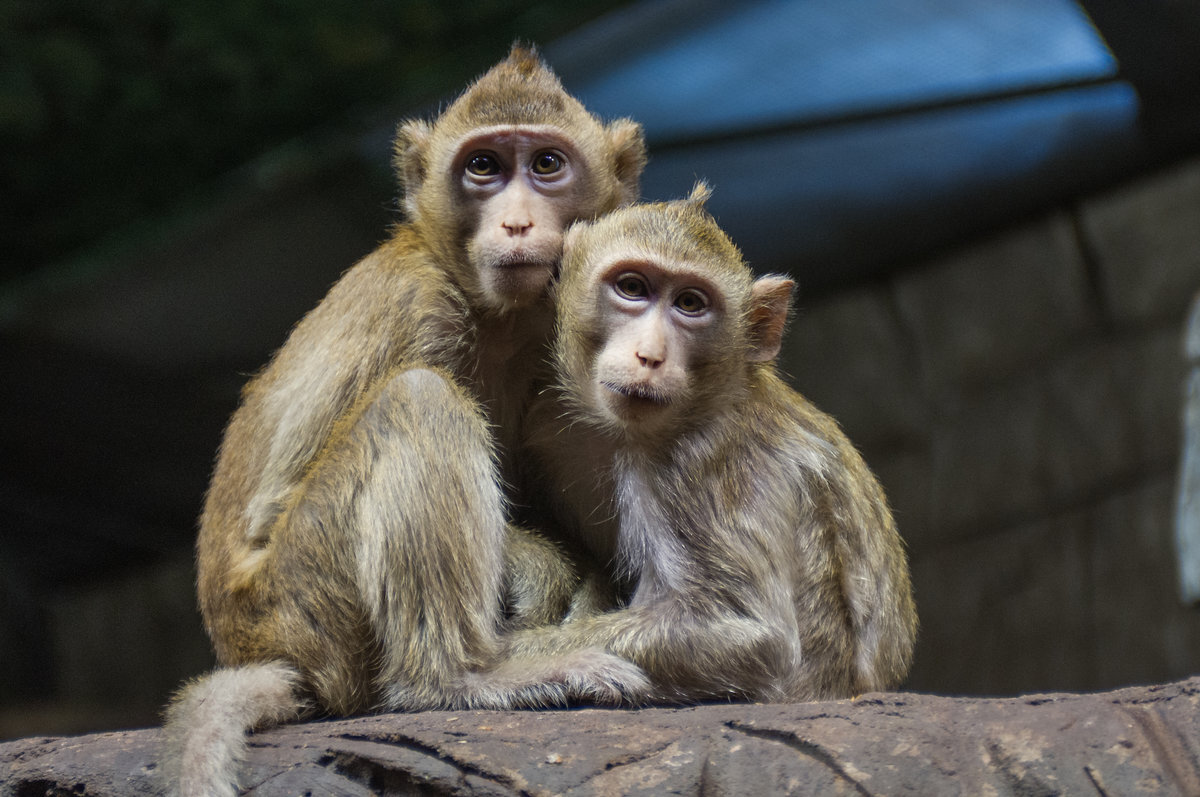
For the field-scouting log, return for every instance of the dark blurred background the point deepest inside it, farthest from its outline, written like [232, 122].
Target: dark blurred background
[991, 209]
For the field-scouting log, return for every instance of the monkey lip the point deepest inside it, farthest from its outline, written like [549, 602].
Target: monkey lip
[640, 394]
[519, 260]
[513, 265]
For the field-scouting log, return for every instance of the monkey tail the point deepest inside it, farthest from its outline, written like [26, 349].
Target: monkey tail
[207, 722]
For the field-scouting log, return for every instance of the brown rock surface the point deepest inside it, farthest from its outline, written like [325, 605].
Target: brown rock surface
[1130, 741]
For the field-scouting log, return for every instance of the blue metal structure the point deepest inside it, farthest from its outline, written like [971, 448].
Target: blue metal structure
[842, 136]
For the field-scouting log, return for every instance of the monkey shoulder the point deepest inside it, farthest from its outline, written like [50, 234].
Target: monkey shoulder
[784, 447]
[774, 415]
[394, 306]
[830, 468]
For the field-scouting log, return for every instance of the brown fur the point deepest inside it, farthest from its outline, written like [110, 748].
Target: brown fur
[354, 532]
[760, 556]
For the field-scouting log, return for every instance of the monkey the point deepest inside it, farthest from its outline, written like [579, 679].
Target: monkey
[354, 544]
[759, 558]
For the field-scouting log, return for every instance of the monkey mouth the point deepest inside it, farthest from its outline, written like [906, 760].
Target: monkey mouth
[518, 260]
[640, 393]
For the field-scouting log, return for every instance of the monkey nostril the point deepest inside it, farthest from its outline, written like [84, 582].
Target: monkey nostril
[517, 227]
[649, 361]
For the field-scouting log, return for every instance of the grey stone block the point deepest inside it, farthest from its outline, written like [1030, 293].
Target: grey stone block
[1146, 239]
[983, 312]
[905, 476]
[849, 355]
[1105, 414]
[1187, 509]
[1142, 631]
[130, 641]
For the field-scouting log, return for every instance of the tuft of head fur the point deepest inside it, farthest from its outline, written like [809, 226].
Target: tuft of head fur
[521, 89]
[700, 193]
[679, 230]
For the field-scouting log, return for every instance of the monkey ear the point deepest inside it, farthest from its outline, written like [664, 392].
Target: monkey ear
[408, 157]
[770, 304]
[628, 143]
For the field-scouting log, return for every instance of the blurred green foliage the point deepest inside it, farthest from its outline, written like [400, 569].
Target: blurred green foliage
[114, 109]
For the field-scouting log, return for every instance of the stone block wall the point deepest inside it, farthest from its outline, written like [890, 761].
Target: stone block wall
[1021, 401]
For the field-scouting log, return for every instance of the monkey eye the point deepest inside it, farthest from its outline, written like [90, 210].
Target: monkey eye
[631, 286]
[691, 302]
[547, 163]
[483, 164]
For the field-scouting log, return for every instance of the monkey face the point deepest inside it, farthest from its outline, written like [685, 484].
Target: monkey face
[520, 187]
[493, 182]
[660, 320]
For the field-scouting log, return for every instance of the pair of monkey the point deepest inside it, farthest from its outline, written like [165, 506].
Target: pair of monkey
[611, 365]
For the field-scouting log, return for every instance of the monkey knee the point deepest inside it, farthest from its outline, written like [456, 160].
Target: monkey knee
[422, 398]
[424, 386]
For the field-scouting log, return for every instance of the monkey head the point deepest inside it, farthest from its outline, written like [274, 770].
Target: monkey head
[660, 319]
[494, 182]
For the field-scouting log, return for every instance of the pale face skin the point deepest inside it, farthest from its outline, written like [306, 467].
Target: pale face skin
[657, 315]
[522, 187]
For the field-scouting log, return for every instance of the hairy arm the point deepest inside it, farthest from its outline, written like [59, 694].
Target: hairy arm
[688, 653]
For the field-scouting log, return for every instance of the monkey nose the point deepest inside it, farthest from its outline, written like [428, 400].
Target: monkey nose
[517, 227]
[649, 360]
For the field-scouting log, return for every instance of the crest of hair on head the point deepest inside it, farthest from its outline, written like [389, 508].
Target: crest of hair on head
[521, 89]
[701, 191]
[524, 57]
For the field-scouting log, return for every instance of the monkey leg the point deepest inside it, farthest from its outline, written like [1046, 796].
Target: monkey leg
[385, 572]
[429, 526]
[539, 580]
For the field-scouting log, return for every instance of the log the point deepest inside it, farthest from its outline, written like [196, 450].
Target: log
[1129, 741]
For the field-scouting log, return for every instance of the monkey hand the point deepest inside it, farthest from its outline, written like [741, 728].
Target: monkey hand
[589, 676]
[595, 676]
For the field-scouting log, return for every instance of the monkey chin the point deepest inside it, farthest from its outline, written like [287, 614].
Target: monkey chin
[635, 407]
[514, 275]
[514, 284]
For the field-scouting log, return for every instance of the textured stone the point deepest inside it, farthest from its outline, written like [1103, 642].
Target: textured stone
[1133, 741]
[1142, 630]
[1146, 240]
[849, 356]
[1102, 415]
[983, 312]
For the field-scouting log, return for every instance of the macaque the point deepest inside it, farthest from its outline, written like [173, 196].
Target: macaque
[353, 547]
[758, 553]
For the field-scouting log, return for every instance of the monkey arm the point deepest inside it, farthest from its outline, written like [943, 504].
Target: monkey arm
[689, 649]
